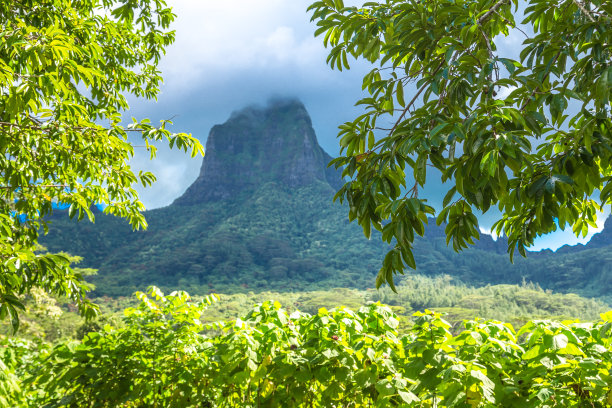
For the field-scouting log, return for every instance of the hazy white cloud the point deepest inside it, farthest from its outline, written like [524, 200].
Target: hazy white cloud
[217, 38]
[488, 231]
[504, 92]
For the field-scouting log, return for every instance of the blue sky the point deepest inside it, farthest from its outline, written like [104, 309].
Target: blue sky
[233, 53]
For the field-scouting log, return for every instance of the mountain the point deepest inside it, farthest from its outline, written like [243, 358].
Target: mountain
[260, 216]
[256, 146]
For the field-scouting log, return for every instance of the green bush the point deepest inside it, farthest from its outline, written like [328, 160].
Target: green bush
[165, 357]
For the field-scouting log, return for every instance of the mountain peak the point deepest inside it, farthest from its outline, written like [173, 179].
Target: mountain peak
[256, 145]
[273, 107]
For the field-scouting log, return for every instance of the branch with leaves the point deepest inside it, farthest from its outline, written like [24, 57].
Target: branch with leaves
[66, 67]
[491, 151]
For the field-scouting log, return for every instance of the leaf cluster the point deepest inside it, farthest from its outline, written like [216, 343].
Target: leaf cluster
[540, 153]
[66, 70]
[333, 358]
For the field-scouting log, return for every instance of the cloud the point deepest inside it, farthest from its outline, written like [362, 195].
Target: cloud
[488, 231]
[504, 92]
[215, 39]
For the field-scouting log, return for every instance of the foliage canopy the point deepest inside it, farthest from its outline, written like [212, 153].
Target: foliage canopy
[531, 135]
[66, 69]
[332, 358]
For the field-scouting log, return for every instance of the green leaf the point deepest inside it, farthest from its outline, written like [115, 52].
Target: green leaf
[559, 341]
[400, 94]
[607, 316]
[420, 171]
[437, 129]
[408, 396]
[510, 65]
[544, 394]
[572, 349]
[533, 352]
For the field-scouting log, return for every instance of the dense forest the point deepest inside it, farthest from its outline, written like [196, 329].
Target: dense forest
[56, 320]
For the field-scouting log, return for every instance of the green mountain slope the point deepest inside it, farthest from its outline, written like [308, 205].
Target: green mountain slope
[260, 216]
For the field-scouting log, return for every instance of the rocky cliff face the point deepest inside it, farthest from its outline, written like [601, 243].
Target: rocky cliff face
[258, 145]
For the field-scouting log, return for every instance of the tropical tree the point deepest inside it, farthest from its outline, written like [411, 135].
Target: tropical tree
[528, 134]
[66, 69]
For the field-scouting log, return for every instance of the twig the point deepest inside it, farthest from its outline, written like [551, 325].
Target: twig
[584, 10]
[505, 20]
[486, 16]
[444, 92]
[488, 43]
[414, 191]
[535, 91]
[491, 56]
[413, 100]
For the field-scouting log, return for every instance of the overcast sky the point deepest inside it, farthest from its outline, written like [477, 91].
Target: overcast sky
[232, 53]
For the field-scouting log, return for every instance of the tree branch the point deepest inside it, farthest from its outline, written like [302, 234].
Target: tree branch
[486, 16]
[505, 20]
[80, 128]
[491, 55]
[536, 90]
[413, 100]
[481, 21]
[584, 10]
